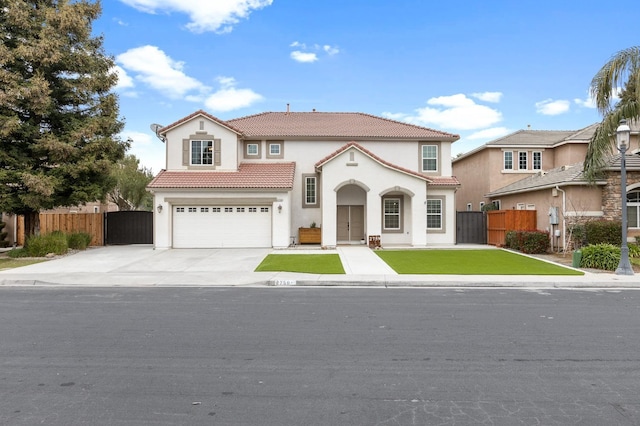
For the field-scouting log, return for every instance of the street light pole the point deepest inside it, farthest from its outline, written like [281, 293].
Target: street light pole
[622, 137]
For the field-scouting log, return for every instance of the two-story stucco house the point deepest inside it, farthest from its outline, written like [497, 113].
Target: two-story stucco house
[253, 181]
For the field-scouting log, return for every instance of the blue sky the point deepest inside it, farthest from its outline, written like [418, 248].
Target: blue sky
[480, 69]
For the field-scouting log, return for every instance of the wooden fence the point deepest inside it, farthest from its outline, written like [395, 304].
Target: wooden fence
[501, 221]
[69, 223]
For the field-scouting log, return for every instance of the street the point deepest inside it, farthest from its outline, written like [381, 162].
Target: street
[318, 356]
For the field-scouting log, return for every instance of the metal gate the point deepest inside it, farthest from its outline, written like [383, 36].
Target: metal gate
[471, 228]
[128, 227]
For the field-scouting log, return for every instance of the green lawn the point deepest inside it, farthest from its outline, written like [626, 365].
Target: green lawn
[8, 263]
[305, 263]
[469, 262]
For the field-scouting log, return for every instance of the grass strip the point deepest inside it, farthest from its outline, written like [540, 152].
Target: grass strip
[305, 263]
[7, 263]
[469, 262]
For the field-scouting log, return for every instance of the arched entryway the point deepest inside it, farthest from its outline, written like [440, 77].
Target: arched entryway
[350, 214]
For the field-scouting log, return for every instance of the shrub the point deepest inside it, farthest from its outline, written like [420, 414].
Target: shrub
[578, 235]
[634, 250]
[604, 232]
[530, 242]
[41, 245]
[601, 256]
[18, 252]
[79, 240]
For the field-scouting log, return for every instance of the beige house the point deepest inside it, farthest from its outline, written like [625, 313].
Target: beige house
[513, 157]
[560, 194]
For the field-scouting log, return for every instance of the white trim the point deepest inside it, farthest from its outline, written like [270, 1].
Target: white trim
[592, 213]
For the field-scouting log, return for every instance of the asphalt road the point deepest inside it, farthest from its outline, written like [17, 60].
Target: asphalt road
[331, 356]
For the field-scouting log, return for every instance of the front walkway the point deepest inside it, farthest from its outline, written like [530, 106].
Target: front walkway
[361, 260]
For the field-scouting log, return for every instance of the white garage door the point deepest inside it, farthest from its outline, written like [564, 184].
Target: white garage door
[220, 227]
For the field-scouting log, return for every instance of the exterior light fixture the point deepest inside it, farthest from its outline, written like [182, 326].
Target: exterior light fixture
[279, 208]
[159, 208]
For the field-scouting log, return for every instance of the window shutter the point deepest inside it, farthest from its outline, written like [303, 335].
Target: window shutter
[185, 152]
[217, 150]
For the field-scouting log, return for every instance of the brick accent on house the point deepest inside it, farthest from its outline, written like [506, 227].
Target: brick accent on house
[612, 194]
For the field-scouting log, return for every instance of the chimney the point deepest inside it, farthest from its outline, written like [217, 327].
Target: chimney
[287, 108]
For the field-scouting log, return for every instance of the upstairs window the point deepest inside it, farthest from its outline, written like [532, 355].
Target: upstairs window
[508, 160]
[310, 191]
[537, 160]
[201, 152]
[522, 160]
[429, 158]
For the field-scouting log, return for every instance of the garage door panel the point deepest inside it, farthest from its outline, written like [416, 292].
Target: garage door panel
[220, 227]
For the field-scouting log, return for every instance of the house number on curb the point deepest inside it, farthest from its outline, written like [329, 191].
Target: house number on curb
[283, 282]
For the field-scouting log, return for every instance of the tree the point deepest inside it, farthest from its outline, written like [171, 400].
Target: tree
[622, 70]
[58, 115]
[130, 192]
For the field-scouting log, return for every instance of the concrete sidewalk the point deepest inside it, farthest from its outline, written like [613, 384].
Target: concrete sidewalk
[144, 266]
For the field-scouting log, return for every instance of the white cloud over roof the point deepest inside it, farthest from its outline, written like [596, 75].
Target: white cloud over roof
[552, 107]
[488, 96]
[210, 15]
[229, 98]
[299, 56]
[456, 112]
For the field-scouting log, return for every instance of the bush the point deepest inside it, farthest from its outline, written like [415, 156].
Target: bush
[601, 256]
[578, 235]
[604, 232]
[634, 250]
[18, 252]
[530, 242]
[79, 240]
[41, 245]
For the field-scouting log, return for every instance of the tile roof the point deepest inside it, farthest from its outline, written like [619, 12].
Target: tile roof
[431, 180]
[561, 176]
[632, 162]
[189, 117]
[351, 125]
[248, 176]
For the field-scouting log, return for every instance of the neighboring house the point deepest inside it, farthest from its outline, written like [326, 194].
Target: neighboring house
[562, 195]
[513, 157]
[253, 181]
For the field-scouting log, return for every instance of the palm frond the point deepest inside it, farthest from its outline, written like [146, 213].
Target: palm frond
[622, 68]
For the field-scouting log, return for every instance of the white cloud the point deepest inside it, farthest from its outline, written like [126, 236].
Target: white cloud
[299, 56]
[211, 15]
[310, 54]
[229, 98]
[331, 50]
[124, 81]
[455, 112]
[488, 96]
[589, 102]
[552, 107]
[153, 67]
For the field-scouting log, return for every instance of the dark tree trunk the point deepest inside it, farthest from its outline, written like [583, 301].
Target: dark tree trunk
[31, 224]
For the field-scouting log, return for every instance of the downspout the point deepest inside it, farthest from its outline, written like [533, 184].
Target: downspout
[564, 221]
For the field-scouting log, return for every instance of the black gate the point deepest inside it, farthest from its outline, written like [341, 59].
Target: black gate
[471, 228]
[128, 227]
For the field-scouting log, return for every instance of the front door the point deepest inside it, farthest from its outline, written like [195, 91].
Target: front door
[350, 223]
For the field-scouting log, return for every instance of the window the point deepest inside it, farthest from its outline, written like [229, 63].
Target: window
[429, 158]
[264, 209]
[204, 209]
[496, 203]
[215, 209]
[228, 209]
[253, 209]
[201, 152]
[520, 206]
[434, 214]
[252, 149]
[633, 209]
[537, 160]
[508, 160]
[179, 209]
[392, 213]
[522, 160]
[469, 207]
[193, 209]
[240, 210]
[481, 205]
[310, 191]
